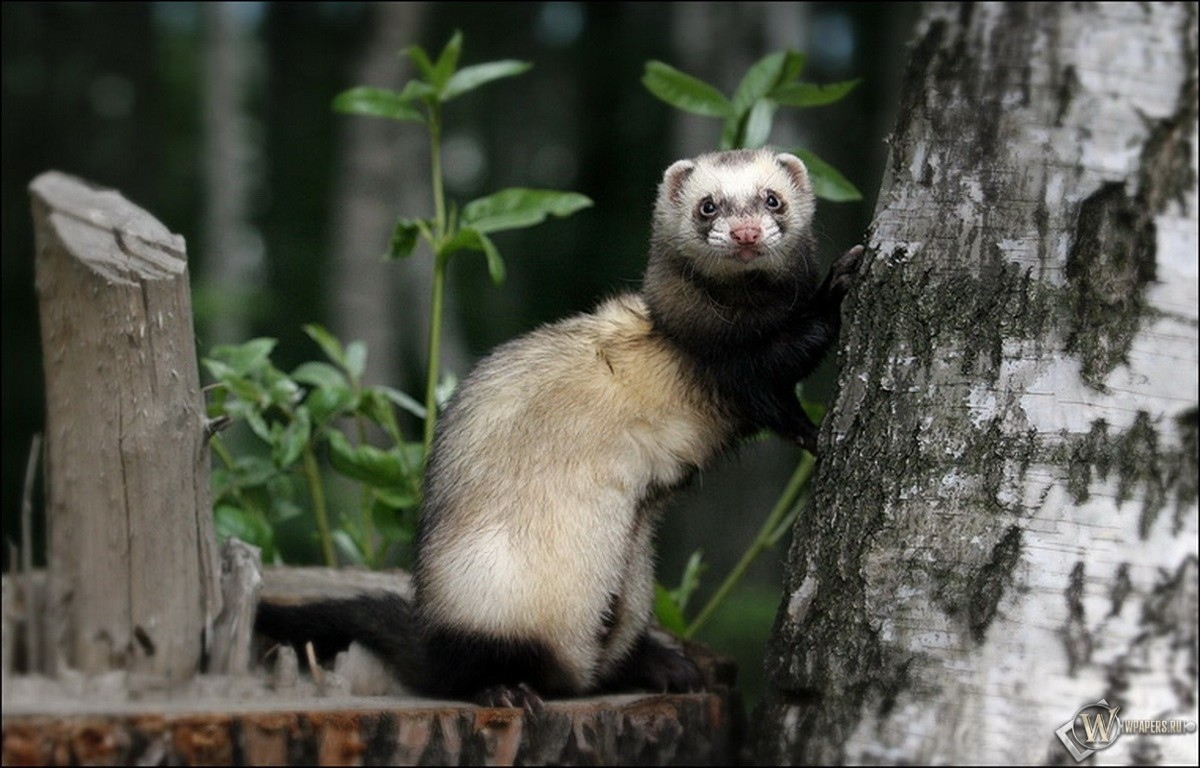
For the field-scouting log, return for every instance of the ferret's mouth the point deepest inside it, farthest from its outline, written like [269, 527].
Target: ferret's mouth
[747, 255]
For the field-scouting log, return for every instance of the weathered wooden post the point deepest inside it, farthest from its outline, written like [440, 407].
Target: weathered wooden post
[133, 572]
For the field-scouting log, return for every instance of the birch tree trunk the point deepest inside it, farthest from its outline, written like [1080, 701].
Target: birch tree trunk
[1004, 526]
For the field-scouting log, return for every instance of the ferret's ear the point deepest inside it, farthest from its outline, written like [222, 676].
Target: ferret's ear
[675, 176]
[795, 168]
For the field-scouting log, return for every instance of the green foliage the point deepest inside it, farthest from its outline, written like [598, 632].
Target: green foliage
[670, 604]
[296, 418]
[770, 83]
[421, 100]
[293, 416]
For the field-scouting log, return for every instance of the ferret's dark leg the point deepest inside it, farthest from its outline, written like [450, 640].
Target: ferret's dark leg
[492, 671]
[809, 339]
[653, 666]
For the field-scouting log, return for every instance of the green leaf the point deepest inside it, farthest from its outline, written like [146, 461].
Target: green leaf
[667, 610]
[247, 358]
[758, 124]
[762, 77]
[245, 525]
[473, 239]
[390, 523]
[281, 390]
[827, 183]
[288, 442]
[395, 498]
[495, 264]
[405, 401]
[321, 375]
[445, 389]
[516, 208]
[416, 54]
[247, 395]
[793, 65]
[283, 509]
[247, 472]
[377, 102]
[327, 404]
[349, 548]
[375, 405]
[356, 359]
[366, 463]
[218, 369]
[404, 238]
[258, 425]
[730, 132]
[447, 61]
[685, 92]
[470, 78]
[328, 342]
[815, 410]
[414, 456]
[811, 95]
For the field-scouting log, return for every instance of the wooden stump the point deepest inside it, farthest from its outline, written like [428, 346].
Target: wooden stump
[133, 583]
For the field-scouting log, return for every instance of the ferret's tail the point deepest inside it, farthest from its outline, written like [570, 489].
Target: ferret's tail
[382, 622]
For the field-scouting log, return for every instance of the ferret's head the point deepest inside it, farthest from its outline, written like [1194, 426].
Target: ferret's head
[734, 213]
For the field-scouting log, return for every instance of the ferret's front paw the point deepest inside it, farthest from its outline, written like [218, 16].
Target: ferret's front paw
[845, 270]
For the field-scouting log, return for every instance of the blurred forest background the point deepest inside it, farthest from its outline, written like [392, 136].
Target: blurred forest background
[216, 119]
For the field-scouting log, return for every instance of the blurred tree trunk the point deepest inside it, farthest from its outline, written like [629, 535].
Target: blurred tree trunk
[384, 174]
[233, 249]
[1004, 523]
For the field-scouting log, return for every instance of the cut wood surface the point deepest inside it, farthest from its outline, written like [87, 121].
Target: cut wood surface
[683, 729]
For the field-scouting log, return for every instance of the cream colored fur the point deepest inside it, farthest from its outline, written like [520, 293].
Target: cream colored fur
[561, 438]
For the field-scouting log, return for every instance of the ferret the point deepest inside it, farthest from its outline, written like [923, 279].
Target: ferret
[534, 571]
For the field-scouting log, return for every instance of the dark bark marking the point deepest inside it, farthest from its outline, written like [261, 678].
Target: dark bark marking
[990, 582]
[1076, 638]
[1122, 586]
[1109, 266]
[1136, 458]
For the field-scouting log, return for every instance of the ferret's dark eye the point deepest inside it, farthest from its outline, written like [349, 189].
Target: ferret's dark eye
[707, 208]
[773, 202]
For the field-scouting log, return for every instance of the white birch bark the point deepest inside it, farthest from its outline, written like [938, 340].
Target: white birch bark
[1004, 527]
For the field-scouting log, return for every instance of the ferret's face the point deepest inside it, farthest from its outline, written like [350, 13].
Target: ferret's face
[733, 212]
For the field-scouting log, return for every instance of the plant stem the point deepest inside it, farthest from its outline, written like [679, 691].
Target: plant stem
[364, 495]
[312, 473]
[787, 499]
[435, 346]
[439, 274]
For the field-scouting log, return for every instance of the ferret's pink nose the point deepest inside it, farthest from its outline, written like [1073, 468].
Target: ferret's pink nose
[747, 233]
